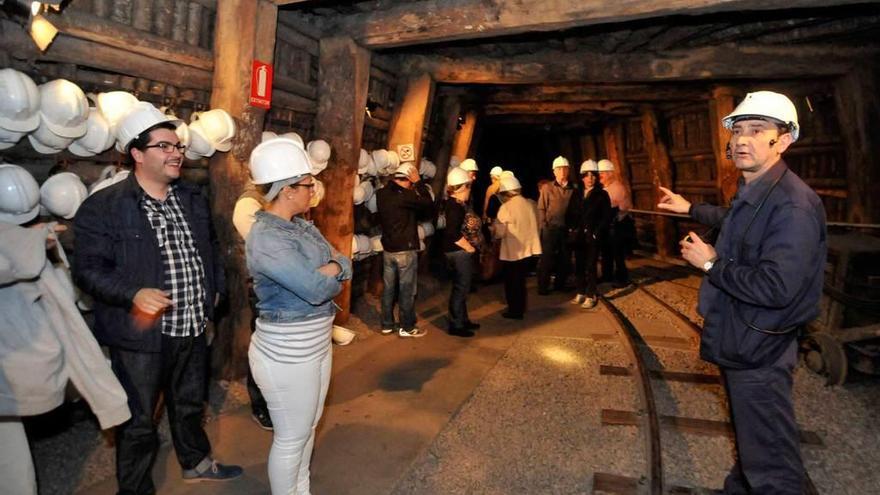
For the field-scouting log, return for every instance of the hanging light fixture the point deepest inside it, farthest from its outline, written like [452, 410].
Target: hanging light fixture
[42, 31]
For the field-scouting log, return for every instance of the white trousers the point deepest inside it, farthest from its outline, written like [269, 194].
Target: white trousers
[16, 465]
[294, 394]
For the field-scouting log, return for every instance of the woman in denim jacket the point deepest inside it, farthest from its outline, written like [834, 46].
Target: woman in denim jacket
[296, 275]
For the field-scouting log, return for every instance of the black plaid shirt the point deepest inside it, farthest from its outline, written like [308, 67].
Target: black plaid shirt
[183, 269]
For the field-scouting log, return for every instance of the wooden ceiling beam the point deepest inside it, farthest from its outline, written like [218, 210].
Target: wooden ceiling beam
[586, 93]
[613, 108]
[708, 63]
[431, 21]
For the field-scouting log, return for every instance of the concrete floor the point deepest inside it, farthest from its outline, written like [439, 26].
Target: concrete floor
[390, 398]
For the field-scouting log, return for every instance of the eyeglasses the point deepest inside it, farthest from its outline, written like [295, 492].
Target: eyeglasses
[167, 147]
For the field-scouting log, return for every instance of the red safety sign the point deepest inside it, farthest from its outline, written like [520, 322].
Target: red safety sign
[261, 85]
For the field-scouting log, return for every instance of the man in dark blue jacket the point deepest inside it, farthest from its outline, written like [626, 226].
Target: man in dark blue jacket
[146, 251]
[763, 283]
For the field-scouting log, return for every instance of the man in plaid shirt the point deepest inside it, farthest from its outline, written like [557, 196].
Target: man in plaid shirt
[146, 250]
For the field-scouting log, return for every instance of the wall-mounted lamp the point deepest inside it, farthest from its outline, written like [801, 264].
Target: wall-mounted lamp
[461, 121]
[42, 31]
[371, 107]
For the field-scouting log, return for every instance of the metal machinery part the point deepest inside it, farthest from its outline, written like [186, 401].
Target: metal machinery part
[824, 355]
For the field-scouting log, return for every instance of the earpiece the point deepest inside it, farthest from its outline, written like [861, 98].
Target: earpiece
[728, 152]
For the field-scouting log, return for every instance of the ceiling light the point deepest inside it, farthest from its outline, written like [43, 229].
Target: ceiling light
[42, 31]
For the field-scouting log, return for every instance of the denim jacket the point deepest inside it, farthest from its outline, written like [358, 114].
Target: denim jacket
[283, 258]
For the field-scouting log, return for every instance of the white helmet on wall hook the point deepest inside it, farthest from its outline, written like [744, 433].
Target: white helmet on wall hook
[142, 116]
[218, 127]
[200, 145]
[97, 138]
[766, 104]
[44, 141]
[363, 162]
[19, 195]
[605, 165]
[114, 105]
[19, 101]
[64, 108]
[319, 155]
[62, 194]
[8, 138]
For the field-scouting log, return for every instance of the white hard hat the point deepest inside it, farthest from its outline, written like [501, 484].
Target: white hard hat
[769, 104]
[372, 205]
[267, 135]
[218, 127]
[507, 173]
[19, 195]
[319, 154]
[278, 159]
[457, 176]
[509, 184]
[404, 170]
[200, 145]
[62, 194]
[9, 138]
[141, 117]
[109, 181]
[64, 108]
[496, 171]
[560, 161]
[183, 134]
[47, 142]
[589, 166]
[360, 193]
[342, 335]
[19, 101]
[115, 105]
[318, 194]
[296, 137]
[393, 160]
[469, 165]
[363, 162]
[380, 159]
[97, 138]
[605, 165]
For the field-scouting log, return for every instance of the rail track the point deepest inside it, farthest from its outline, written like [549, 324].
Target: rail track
[648, 419]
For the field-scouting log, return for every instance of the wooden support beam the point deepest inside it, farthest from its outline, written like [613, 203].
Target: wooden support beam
[410, 115]
[857, 97]
[450, 107]
[661, 173]
[461, 145]
[726, 174]
[589, 150]
[245, 31]
[706, 63]
[551, 107]
[343, 81]
[615, 148]
[431, 21]
[68, 49]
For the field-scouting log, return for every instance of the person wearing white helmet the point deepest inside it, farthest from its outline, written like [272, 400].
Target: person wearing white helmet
[44, 342]
[763, 282]
[621, 235]
[588, 216]
[462, 239]
[296, 275]
[147, 253]
[517, 228]
[469, 165]
[553, 199]
[402, 203]
[490, 202]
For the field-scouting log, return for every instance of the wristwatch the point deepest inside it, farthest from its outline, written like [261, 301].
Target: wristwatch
[708, 265]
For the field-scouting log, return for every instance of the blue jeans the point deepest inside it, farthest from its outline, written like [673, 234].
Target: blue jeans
[461, 263]
[401, 269]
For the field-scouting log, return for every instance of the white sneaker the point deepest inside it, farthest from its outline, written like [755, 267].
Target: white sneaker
[415, 333]
[386, 331]
[578, 299]
[589, 303]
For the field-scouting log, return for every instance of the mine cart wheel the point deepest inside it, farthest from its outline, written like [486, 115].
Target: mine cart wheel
[825, 356]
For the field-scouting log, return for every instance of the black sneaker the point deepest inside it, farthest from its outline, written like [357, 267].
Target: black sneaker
[214, 472]
[262, 418]
[471, 326]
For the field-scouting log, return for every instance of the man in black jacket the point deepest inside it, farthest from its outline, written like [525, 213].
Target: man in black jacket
[401, 203]
[146, 251]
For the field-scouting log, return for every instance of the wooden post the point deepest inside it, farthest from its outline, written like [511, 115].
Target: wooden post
[858, 108]
[410, 116]
[245, 30]
[449, 108]
[461, 145]
[661, 172]
[343, 82]
[616, 151]
[727, 175]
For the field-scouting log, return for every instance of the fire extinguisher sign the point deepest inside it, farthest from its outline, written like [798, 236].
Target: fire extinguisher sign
[261, 85]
